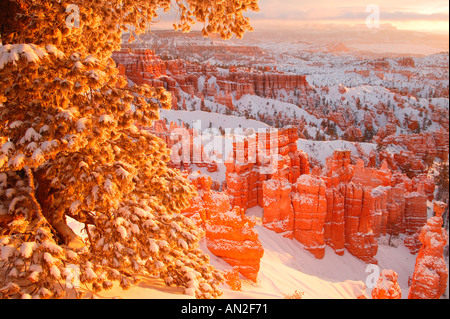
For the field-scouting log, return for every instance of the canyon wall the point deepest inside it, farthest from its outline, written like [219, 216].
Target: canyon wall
[345, 206]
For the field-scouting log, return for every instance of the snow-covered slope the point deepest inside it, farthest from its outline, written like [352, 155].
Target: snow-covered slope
[318, 151]
[286, 267]
[205, 120]
[321, 150]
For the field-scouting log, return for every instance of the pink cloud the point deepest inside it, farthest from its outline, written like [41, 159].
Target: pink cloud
[351, 10]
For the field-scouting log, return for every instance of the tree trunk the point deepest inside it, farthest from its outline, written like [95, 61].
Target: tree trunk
[44, 196]
[5, 220]
[9, 24]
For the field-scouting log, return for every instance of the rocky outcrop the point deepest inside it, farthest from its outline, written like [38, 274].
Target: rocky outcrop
[268, 84]
[309, 203]
[430, 276]
[418, 150]
[346, 207]
[232, 279]
[426, 184]
[334, 227]
[350, 207]
[185, 145]
[353, 134]
[365, 203]
[199, 211]
[371, 177]
[231, 236]
[338, 168]
[359, 238]
[388, 210]
[368, 122]
[229, 233]
[278, 209]
[141, 65]
[273, 152]
[387, 286]
[415, 212]
[406, 62]
[243, 184]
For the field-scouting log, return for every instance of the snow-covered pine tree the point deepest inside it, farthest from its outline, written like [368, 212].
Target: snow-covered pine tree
[72, 144]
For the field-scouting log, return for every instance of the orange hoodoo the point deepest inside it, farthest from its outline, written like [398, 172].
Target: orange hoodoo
[229, 233]
[231, 236]
[310, 210]
[387, 286]
[430, 276]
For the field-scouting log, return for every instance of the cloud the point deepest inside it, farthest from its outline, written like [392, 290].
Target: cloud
[390, 16]
[399, 10]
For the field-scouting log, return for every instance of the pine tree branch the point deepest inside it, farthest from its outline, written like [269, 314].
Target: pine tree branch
[58, 227]
[5, 219]
[86, 227]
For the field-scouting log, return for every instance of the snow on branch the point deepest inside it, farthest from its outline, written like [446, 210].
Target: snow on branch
[11, 53]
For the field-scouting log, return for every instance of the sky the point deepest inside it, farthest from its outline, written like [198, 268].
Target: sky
[417, 15]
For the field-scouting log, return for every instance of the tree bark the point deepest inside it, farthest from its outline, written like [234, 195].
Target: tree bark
[44, 195]
[68, 235]
[9, 21]
[5, 220]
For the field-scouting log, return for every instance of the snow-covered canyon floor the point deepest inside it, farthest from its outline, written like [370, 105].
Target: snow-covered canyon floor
[287, 267]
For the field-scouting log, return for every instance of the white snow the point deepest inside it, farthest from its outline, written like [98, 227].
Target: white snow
[90, 59]
[105, 118]
[258, 105]
[122, 231]
[74, 206]
[81, 124]
[16, 124]
[17, 160]
[109, 186]
[90, 274]
[31, 135]
[7, 252]
[55, 272]
[7, 147]
[287, 267]
[321, 150]
[26, 249]
[11, 53]
[203, 120]
[51, 49]
[34, 276]
[49, 258]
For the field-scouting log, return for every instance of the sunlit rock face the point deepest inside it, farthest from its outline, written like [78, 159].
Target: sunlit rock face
[347, 204]
[310, 210]
[229, 233]
[387, 286]
[429, 280]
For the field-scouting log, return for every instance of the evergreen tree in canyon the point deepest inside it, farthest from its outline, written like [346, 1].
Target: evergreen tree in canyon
[72, 144]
